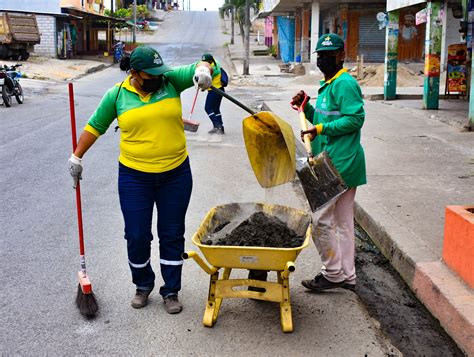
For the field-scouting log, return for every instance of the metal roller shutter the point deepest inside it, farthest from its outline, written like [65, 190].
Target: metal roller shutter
[371, 39]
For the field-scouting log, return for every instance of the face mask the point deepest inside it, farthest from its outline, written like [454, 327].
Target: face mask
[327, 65]
[152, 84]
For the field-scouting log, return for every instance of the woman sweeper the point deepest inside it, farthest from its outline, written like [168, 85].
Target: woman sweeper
[153, 164]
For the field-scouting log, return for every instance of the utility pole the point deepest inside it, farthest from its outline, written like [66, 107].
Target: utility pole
[232, 22]
[134, 33]
[247, 38]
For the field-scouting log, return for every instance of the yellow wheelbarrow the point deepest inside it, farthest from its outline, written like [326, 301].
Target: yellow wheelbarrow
[280, 260]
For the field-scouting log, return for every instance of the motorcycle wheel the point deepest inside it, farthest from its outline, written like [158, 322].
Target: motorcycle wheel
[6, 95]
[19, 94]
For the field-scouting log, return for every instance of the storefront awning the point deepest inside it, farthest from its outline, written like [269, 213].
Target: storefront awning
[97, 17]
[55, 14]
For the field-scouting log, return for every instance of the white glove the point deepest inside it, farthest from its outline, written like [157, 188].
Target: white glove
[202, 77]
[75, 169]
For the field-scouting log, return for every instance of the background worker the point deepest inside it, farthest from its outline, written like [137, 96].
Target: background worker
[338, 119]
[213, 100]
[153, 164]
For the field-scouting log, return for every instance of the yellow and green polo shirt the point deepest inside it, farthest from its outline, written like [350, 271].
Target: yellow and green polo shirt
[152, 135]
[216, 75]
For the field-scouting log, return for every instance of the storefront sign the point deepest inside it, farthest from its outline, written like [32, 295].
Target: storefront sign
[456, 70]
[432, 65]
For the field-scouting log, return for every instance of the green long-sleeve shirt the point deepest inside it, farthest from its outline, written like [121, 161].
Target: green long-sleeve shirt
[340, 110]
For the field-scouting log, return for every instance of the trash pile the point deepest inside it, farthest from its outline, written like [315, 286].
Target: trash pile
[373, 76]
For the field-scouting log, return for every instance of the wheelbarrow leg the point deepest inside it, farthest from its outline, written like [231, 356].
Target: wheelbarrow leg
[212, 306]
[214, 303]
[225, 276]
[285, 306]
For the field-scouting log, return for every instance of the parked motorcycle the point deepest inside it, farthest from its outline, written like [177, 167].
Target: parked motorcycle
[10, 84]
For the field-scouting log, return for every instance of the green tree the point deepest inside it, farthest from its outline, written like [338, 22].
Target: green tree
[122, 13]
[236, 9]
[142, 11]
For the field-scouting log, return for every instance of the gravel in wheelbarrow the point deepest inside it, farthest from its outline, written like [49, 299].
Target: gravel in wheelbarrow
[258, 230]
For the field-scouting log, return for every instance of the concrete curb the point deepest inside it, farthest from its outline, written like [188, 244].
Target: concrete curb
[442, 292]
[374, 97]
[94, 69]
[228, 58]
[449, 300]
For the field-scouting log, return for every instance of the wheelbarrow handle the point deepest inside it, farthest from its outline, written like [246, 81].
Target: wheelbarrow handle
[191, 254]
[233, 100]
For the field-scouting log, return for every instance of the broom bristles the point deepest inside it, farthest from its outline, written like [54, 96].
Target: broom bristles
[86, 303]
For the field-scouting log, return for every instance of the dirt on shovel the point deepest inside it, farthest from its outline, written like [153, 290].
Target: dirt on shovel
[259, 230]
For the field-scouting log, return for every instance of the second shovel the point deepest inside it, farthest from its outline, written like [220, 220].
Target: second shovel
[320, 180]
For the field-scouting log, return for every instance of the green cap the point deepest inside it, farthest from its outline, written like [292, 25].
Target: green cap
[207, 57]
[147, 59]
[329, 42]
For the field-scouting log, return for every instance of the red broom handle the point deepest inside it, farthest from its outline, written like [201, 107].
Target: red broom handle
[78, 187]
[194, 103]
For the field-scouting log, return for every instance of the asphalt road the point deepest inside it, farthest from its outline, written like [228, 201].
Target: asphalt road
[39, 250]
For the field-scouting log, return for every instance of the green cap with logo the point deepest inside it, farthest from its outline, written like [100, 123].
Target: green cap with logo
[147, 59]
[329, 42]
[207, 57]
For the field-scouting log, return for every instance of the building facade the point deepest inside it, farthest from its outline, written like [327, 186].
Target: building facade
[68, 27]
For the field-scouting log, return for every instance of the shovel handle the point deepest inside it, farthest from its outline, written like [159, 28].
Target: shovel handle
[300, 108]
[304, 127]
[306, 138]
[233, 100]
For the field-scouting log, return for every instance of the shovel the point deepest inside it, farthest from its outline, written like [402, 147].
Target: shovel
[192, 125]
[270, 145]
[320, 180]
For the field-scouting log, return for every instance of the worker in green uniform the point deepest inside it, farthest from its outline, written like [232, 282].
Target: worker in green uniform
[154, 168]
[338, 118]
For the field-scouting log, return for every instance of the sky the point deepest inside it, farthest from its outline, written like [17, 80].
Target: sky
[199, 5]
[196, 5]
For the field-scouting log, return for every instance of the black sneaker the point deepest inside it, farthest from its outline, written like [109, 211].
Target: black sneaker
[320, 283]
[351, 287]
[140, 299]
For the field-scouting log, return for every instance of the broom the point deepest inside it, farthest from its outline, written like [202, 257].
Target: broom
[85, 299]
[192, 125]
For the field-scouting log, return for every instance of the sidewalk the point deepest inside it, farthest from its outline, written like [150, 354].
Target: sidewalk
[58, 70]
[416, 166]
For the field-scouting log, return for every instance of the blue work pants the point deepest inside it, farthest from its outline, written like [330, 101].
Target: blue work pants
[139, 192]
[213, 108]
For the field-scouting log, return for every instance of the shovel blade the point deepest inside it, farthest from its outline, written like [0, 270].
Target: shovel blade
[270, 145]
[321, 182]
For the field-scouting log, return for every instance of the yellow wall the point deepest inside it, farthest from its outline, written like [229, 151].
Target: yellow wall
[92, 6]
